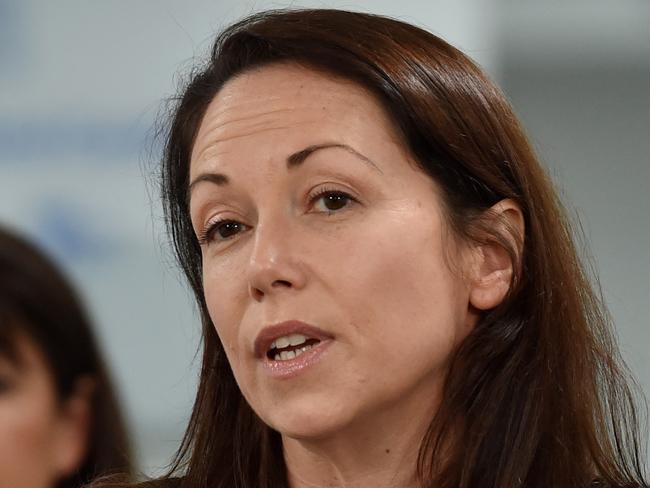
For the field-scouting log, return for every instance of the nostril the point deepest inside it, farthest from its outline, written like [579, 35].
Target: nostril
[282, 283]
[256, 293]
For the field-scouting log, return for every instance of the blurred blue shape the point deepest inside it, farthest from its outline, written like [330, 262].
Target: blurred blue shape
[69, 232]
[36, 141]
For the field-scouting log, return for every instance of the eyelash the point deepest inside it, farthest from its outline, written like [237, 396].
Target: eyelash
[207, 235]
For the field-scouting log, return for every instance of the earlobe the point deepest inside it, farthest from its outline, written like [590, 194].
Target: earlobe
[493, 263]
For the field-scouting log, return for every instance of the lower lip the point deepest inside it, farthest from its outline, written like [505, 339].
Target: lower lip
[291, 368]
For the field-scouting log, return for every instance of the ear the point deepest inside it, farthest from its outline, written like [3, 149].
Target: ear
[493, 267]
[75, 419]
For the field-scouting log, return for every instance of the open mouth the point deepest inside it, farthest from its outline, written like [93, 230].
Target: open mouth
[290, 346]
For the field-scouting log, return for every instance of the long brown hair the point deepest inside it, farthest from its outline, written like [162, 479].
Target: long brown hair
[537, 395]
[37, 302]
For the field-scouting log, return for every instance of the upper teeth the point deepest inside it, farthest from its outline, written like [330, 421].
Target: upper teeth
[288, 340]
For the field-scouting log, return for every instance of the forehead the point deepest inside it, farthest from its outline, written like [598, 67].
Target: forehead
[288, 106]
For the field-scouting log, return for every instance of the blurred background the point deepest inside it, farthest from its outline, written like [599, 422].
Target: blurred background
[81, 85]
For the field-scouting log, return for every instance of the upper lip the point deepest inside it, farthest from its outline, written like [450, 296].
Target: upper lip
[272, 332]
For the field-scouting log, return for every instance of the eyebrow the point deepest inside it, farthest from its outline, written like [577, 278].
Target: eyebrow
[294, 160]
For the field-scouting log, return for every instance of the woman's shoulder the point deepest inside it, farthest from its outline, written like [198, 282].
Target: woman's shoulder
[115, 482]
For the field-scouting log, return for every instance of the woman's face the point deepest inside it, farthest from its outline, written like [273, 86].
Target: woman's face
[324, 254]
[37, 445]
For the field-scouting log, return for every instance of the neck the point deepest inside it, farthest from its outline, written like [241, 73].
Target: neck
[380, 451]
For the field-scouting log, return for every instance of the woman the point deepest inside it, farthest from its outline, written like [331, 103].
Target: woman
[60, 425]
[389, 290]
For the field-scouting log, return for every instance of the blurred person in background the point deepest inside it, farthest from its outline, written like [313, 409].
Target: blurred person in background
[60, 422]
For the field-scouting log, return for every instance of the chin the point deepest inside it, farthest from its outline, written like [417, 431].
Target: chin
[310, 418]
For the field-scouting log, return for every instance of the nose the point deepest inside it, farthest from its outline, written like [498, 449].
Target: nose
[274, 265]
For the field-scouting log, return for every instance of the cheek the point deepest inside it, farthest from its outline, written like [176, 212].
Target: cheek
[25, 447]
[226, 298]
[228, 302]
[397, 285]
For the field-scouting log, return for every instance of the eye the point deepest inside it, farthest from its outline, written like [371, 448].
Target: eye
[330, 201]
[221, 230]
[6, 384]
[324, 200]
